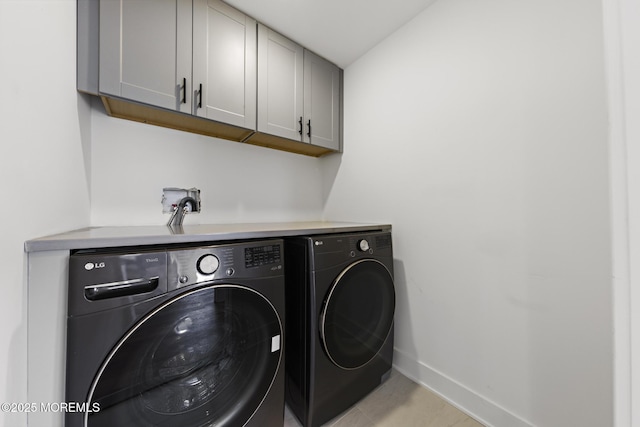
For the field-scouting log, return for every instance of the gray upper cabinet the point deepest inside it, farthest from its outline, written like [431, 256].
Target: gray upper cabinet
[224, 63]
[280, 85]
[196, 57]
[321, 102]
[298, 92]
[145, 51]
[202, 66]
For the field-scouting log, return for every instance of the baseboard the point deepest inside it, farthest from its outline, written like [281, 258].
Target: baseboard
[469, 402]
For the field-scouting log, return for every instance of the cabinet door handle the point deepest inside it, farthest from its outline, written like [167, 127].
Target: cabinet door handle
[309, 128]
[300, 123]
[200, 96]
[184, 91]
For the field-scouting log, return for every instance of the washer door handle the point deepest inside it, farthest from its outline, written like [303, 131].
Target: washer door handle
[120, 289]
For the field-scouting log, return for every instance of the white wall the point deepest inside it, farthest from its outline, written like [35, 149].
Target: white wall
[133, 162]
[618, 21]
[44, 161]
[623, 17]
[479, 130]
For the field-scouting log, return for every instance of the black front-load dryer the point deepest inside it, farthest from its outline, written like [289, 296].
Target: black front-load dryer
[189, 336]
[340, 302]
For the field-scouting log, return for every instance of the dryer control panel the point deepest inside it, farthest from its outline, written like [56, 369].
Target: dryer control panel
[336, 248]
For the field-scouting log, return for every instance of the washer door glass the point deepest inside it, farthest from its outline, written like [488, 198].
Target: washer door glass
[207, 357]
[357, 314]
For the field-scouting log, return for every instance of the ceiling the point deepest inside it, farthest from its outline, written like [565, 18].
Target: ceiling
[339, 30]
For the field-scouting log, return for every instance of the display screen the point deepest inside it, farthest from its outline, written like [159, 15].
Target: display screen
[261, 255]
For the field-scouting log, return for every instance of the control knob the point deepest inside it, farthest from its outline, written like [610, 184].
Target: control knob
[363, 245]
[208, 264]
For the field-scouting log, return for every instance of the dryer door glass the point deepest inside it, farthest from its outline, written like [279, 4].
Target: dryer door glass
[357, 314]
[209, 355]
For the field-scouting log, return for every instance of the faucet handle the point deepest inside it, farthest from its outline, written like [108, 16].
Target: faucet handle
[173, 215]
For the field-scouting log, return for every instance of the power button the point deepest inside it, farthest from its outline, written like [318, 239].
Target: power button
[208, 264]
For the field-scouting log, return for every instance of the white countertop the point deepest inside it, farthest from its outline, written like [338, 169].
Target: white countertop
[104, 237]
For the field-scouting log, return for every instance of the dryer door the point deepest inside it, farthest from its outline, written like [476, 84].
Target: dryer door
[357, 313]
[207, 356]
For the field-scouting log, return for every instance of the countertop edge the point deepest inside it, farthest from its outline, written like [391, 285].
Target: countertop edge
[108, 237]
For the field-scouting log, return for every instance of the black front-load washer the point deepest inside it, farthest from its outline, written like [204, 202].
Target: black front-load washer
[189, 336]
[340, 302]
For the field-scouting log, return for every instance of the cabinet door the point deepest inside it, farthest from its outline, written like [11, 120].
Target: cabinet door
[224, 63]
[280, 85]
[145, 51]
[321, 102]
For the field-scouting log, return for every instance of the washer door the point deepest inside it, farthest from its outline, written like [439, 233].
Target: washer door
[207, 357]
[357, 314]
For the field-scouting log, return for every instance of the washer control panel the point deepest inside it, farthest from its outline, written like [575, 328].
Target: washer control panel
[188, 266]
[262, 255]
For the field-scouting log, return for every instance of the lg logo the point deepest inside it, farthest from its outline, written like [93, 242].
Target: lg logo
[91, 265]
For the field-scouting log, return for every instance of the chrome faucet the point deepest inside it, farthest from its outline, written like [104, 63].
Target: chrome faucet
[180, 210]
